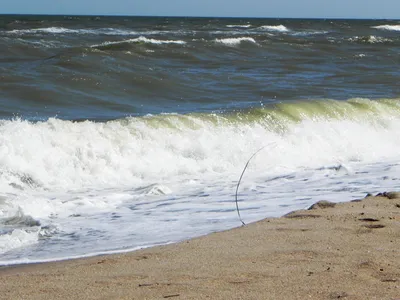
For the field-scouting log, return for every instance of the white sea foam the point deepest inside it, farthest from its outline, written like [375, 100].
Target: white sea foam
[143, 39]
[122, 32]
[53, 30]
[309, 32]
[16, 239]
[113, 31]
[235, 41]
[369, 39]
[140, 39]
[239, 26]
[42, 43]
[33, 261]
[388, 27]
[82, 31]
[278, 28]
[77, 155]
[231, 32]
[93, 31]
[157, 179]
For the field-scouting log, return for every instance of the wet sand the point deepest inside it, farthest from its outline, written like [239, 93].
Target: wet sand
[345, 251]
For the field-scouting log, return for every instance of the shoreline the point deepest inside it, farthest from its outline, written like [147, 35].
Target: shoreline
[348, 250]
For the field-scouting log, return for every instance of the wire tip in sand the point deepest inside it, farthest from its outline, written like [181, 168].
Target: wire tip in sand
[238, 184]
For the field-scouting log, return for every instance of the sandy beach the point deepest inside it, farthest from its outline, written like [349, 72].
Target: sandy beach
[347, 250]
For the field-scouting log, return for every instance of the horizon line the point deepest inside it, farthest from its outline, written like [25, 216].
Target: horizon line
[194, 16]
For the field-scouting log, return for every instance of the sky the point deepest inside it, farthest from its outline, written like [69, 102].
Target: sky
[383, 9]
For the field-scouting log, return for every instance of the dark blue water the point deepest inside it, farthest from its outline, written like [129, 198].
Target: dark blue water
[102, 68]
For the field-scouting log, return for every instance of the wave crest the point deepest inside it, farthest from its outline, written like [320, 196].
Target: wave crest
[153, 148]
[278, 28]
[18, 238]
[369, 39]
[141, 39]
[53, 30]
[235, 41]
[388, 27]
[239, 26]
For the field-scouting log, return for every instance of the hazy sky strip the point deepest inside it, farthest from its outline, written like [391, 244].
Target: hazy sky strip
[389, 9]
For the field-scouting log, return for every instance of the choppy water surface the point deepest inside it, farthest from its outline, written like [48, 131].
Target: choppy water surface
[121, 133]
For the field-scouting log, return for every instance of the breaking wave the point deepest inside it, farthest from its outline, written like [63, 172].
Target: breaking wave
[388, 27]
[62, 30]
[239, 26]
[78, 154]
[278, 28]
[369, 39]
[236, 41]
[142, 39]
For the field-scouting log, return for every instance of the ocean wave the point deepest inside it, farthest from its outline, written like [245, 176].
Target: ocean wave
[388, 27]
[89, 175]
[63, 30]
[277, 28]
[231, 32]
[108, 31]
[142, 39]
[21, 220]
[154, 189]
[18, 238]
[157, 147]
[239, 26]
[371, 39]
[360, 55]
[53, 30]
[235, 41]
[309, 33]
[41, 43]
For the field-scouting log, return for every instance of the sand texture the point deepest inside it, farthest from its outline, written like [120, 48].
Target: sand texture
[344, 251]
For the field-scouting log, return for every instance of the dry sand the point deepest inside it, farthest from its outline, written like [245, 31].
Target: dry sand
[349, 251]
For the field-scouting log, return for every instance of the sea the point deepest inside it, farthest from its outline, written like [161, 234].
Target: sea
[121, 133]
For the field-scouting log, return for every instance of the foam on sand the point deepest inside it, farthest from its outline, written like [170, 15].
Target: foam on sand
[328, 251]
